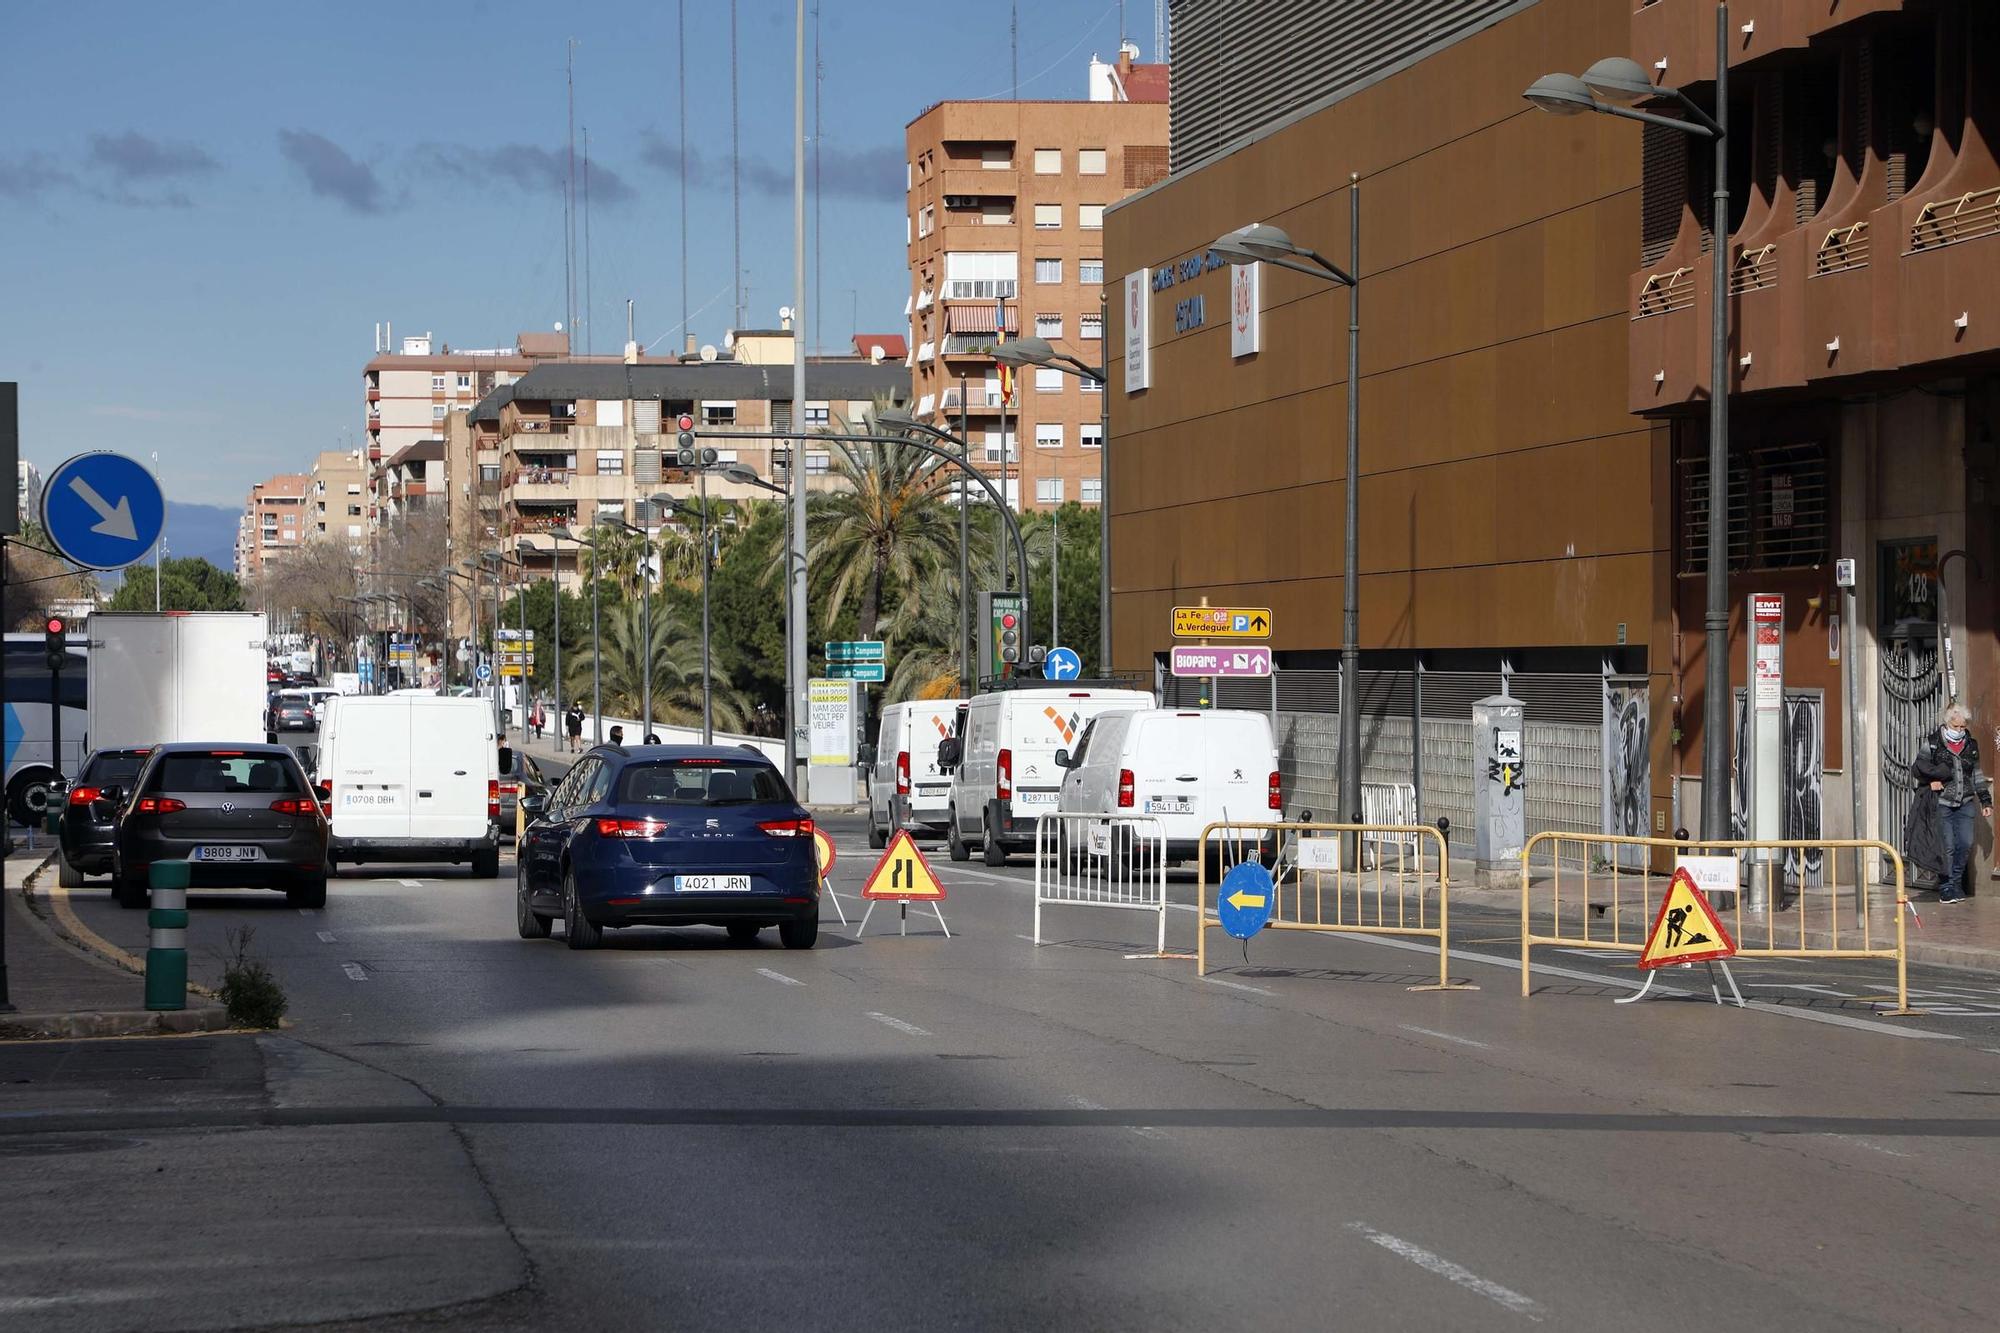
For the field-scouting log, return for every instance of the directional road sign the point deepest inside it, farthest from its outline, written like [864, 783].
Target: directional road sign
[856, 650]
[1193, 661]
[1245, 900]
[1222, 622]
[1062, 664]
[103, 510]
[484, 673]
[875, 671]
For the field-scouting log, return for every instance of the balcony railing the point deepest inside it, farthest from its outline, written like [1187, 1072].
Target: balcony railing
[1754, 271]
[1842, 249]
[534, 426]
[540, 476]
[1948, 221]
[1664, 293]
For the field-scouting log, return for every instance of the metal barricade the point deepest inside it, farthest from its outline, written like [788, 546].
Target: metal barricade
[1406, 892]
[1388, 805]
[1606, 905]
[1103, 860]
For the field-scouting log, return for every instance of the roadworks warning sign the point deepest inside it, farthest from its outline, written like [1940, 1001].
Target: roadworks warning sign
[1687, 930]
[903, 873]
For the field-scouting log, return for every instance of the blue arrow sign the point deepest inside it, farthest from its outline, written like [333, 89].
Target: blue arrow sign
[1245, 900]
[1062, 664]
[103, 510]
[485, 673]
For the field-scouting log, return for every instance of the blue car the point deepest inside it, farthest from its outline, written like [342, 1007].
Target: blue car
[668, 835]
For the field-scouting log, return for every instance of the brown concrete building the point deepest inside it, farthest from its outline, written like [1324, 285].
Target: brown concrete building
[275, 519]
[1534, 383]
[1006, 231]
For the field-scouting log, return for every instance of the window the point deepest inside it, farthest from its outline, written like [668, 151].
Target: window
[1012, 491]
[1090, 217]
[1048, 326]
[998, 158]
[1049, 490]
[1048, 435]
[489, 472]
[701, 783]
[817, 414]
[354, 511]
[1090, 385]
[1090, 270]
[1091, 435]
[909, 175]
[1779, 509]
[996, 213]
[354, 488]
[610, 412]
[1048, 379]
[927, 220]
[1091, 491]
[1048, 270]
[437, 411]
[1090, 161]
[718, 414]
[1090, 327]
[291, 520]
[437, 384]
[464, 381]
[980, 275]
[818, 464]
[610, 462]
[1048, 161]
[1049, 216]
[354, 529]
[993, 447]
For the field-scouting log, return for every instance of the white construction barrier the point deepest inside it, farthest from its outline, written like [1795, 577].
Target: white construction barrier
[1387, 805]
[1108, 860]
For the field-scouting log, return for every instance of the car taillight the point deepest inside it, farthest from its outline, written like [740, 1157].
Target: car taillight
[1125, 789]
[297, 805]
[493, 798]
[83, 795]
[902, 773]
[788, 828]
[1272, 800]
[630, 828]
[1003, 776]
[160, 805]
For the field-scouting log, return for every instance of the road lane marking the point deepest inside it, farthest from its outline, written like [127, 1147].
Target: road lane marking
[779, 976]
[355, 972]
[1444, 1036]
[1237, 985]
[411, 883]
[308, 911]
[1864, 1143]
[1143, 1131]
[899, 1025]
[326, 937]
[1451, 1272]
[1793, 985]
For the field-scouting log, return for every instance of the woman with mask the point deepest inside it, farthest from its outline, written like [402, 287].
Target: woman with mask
[1948, 763]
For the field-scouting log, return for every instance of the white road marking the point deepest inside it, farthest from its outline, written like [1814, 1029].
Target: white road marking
[779, 976]
[900, 1025]
[1451, 1272]
[1143, 1131]
[325, 936]
[355, 972]
[1793, 985]
[1444, 1036]
[308, 911]
[1237, 985]
[411, 883]
[1864, 1143]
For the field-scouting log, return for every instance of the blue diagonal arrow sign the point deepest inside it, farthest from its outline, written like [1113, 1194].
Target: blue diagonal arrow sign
[103, 510]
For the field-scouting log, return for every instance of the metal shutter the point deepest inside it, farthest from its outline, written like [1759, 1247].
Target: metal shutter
[1664, 191]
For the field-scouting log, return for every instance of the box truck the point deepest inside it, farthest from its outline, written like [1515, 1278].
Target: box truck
[157, 677]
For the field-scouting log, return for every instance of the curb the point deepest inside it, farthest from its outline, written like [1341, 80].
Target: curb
[62, 918]
[113, 1023]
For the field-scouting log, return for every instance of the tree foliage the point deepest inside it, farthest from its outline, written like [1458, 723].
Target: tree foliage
[186, 583]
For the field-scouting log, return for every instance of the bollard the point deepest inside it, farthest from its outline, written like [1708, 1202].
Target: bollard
[166, 952]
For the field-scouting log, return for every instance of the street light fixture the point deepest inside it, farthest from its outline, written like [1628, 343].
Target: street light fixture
[645, 613]
[1266, 244]
[686, 509]
[499, 561]
[1611, 87]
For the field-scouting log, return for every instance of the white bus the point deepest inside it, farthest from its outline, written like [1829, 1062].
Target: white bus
[28, 721]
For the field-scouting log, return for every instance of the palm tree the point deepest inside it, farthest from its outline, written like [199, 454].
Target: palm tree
[676, 671]
[885, 532]
[620, 555]
[922, 642]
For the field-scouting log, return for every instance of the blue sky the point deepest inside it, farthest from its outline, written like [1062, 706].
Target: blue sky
[207, 207]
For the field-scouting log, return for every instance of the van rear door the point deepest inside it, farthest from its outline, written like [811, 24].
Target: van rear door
[453, 758]
[925, 725]
[1237, 761]
[366, 756]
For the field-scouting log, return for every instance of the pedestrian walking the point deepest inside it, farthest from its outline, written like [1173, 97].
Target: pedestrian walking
[1948, 764]
[617, 735]
[574, 723]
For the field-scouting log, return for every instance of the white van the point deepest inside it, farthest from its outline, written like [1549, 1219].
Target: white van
[906, 788]
[1003, 759]
[1187, 768]
[411, 777]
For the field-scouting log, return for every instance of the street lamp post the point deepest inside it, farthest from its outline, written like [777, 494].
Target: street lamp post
[1612, 87]
[683, 508]
[477, 569]
[645, 613]
[1270, 245]
[559, 534]
[744, 475]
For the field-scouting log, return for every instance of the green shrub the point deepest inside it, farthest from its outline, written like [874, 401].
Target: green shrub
[250, 993]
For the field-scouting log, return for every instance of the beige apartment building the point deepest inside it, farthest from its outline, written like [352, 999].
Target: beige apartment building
[336, 499]
[274, 522]
[1005, 229]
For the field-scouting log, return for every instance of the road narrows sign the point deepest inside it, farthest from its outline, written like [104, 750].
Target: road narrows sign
[1687, 929]
[903, 874]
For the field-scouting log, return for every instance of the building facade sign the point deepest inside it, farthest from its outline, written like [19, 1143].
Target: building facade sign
[1246, 309]
[1138, 332]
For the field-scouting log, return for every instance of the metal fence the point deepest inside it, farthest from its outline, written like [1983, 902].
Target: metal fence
[1091, 860]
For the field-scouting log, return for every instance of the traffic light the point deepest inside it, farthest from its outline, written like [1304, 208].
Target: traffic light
[55, 633]
[687, 455]
[1003, 646]
[1010, 636]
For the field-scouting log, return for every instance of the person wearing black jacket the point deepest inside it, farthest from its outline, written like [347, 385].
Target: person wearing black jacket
[1948, 763]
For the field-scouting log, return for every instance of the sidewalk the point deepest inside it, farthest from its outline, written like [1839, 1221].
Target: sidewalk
[61, 989]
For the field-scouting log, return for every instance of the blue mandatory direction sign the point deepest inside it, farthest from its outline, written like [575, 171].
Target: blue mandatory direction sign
[1062, 664]
[103, 510]
[485, 673]
[1245, 900]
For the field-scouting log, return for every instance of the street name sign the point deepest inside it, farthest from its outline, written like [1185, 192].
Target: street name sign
[856, 650]
[875, 671]
[1222, 622]
[103, 510]
[1201, 661]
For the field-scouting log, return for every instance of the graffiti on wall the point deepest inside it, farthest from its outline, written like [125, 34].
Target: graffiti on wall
[1803, 791]
[1628, 777]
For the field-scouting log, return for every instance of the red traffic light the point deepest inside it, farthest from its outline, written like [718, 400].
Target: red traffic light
[683, 422]
[1007, 620]
[56, 625]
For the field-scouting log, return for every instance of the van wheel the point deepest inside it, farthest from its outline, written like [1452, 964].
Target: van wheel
[953, 840]
[878, 838]
[486, 864]
[991, 851]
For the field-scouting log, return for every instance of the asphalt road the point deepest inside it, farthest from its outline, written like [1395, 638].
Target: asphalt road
[922, 1132]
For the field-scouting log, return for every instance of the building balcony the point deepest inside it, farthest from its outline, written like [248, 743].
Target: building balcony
[374, 394]
[542, 426]
[541, 483]
[979, 183]
[1681, 33]
[1949, 293]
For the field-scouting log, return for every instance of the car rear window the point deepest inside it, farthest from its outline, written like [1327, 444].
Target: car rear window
[701, 782]
[223, 773]
[113, 768]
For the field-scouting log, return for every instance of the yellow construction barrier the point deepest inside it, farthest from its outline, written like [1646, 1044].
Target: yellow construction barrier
[1407, 891]
[1608, 905]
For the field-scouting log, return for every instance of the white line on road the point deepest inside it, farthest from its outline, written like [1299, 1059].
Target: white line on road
[1864, 1143]
[1444, 1036]
[1822, 990]
[325, 936]
[308, 911]
[779, 976]
[1451, 1272]
[355, 972]
[1143, 1131]
[900, 1025]
[1237, 985]
[411, 883]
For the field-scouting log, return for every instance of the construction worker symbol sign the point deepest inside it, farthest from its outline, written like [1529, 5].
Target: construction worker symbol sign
[1687, 930]
[903, 873]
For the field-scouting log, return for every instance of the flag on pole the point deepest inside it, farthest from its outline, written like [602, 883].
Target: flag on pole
[1000, 336]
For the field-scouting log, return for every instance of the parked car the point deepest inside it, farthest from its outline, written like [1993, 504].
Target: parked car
[291, 710]
[520, 776]
[89, 819]
[242, 816]
[669, 835]
[1186, 768]
[906, 787]
[411, 777]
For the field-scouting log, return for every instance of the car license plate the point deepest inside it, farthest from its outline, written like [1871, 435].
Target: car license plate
[1035, 800]
[229, 853]
[1170, 805]
[711, 884]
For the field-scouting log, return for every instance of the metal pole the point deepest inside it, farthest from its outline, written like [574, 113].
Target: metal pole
[1856, 769]
[1104, 488]
[596, 655]
[1715, 728]
[555, 580]
[707, 690]
[646, 625]
[1350, 615]
[964, 544]
[795, 569]
[521, 604]
[6, 829]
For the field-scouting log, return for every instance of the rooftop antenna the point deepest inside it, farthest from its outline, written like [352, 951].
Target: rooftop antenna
[1014, 43]
[684, 162]
[569, 205]
[1159, 32]
[819, 317]
[589, 310]
[735, 165]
